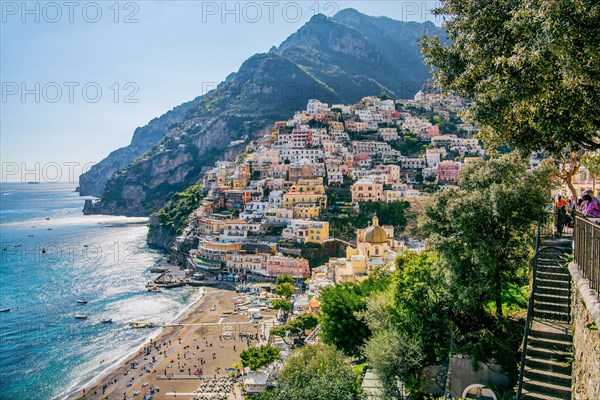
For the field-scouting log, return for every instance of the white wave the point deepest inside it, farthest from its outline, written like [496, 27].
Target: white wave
[83, 380]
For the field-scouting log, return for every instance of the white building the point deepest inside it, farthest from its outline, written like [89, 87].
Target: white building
[315, 106]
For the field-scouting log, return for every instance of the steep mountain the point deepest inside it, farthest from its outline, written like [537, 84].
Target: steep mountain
[336, 60]
[357, 54]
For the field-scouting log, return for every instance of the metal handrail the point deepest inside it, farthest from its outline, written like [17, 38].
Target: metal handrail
[587, 250]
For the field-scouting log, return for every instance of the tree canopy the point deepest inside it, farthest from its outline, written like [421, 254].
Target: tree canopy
[483, 230]
[532, 69]
[296, 328]
[339, 307]
[318, 372]
[258, 357]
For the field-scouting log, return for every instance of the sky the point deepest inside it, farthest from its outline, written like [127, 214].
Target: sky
[79, 76]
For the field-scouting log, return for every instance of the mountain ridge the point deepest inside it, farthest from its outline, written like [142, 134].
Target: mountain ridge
[335, 60]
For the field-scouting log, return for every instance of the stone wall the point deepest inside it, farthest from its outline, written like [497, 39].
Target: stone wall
[586, 338]
[461, 375]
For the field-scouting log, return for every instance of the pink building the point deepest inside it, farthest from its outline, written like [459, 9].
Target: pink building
[432, 131]
[448, 171]
[279, 264]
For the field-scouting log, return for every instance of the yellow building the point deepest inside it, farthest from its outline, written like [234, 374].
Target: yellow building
[314, 185]
[336, 126]
[318, 232]
[291, 199]
[303, 231]
[306, 211]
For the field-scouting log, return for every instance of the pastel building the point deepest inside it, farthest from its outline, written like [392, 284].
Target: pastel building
[375, 249]
[279, 264]
[367, 191]
[448, 171]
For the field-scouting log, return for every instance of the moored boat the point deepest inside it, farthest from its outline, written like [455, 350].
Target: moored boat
[82, 301]
[5, 310]
[142, 324]
[106, 321]
[80, 316]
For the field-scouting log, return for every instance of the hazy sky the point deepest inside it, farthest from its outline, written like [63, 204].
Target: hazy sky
[78, 77]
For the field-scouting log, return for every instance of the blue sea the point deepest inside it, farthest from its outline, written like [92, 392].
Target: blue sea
[51, 256]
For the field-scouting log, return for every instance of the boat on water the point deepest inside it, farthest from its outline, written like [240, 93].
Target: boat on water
[82, 301]
[47, 218]
[5, 310]
[142, 324]
[159, 270]
[80, 316]
[106, 321]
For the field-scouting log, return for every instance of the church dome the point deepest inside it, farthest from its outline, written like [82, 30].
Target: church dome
[375, 234]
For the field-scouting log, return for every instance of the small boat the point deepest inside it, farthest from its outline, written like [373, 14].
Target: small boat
[82, 301]
[5, 310]
[47, 218]
[86, 245]
[43, 251]
[142, 324]
[106, 321]
[80, 316]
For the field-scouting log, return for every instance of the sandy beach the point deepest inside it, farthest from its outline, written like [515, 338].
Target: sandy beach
[196, 350]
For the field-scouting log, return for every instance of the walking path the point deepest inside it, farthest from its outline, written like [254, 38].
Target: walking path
[547, 374]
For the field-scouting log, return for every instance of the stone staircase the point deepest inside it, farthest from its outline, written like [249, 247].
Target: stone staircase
[547, 374]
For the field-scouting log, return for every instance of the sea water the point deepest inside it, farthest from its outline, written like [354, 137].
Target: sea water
[51, 256]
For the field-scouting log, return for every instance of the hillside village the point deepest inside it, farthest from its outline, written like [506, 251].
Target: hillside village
[288, 194]
[323, 200]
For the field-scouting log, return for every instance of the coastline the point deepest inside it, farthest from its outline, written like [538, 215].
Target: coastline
[193, 342]
[74, 390]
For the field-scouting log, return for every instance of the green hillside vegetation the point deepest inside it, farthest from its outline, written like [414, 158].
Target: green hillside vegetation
[175, 214]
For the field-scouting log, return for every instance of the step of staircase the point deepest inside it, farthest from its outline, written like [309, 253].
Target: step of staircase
[552, 283]
[560, 358]
[564, 243]
[553, 307]
[558, 334]
[552, 316]
[552, 298]
[550, 290]
[558, 392]
[552, 276]
[552, 268]
[539, 396]
[547, 365]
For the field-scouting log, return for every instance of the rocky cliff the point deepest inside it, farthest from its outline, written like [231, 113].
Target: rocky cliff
[338, 59]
